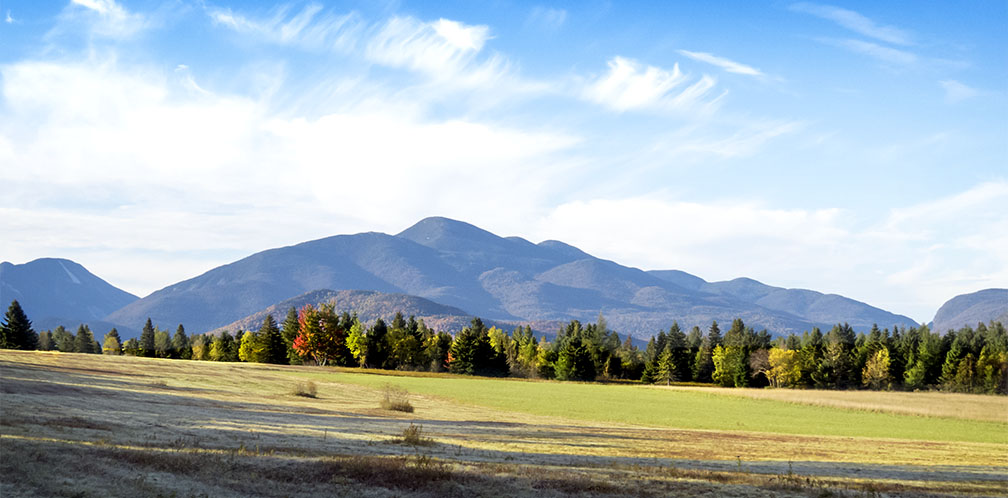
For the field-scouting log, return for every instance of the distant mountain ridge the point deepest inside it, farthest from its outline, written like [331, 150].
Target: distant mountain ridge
[368, 306]
[507, 279]
[967, 310]
[55, 291]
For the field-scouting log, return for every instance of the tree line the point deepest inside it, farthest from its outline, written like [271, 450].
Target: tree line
[966, 360]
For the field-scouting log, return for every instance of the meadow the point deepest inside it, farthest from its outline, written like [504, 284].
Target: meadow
[87, 425]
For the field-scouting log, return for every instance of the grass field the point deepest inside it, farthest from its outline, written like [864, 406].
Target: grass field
[85, 425]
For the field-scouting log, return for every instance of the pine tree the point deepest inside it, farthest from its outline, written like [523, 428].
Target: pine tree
[16, 330]
[289, 331]
[274, 348]
[665, 368]
[64, 340]
[147, 339]
[180, 344]
[84, 342]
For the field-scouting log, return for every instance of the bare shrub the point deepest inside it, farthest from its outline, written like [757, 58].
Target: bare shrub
[413, 435]
[396, 398]
[305, 389]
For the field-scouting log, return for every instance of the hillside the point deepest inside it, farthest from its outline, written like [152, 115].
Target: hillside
[61, 292]
[368, 305]
[971, 309]
[505, 279]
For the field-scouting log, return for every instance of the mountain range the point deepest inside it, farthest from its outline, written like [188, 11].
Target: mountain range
[56, 292]
[463, 268]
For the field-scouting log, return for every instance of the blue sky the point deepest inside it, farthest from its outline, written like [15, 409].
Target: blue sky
[854, 148]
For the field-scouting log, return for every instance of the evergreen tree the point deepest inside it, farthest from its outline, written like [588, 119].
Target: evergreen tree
[180, 344]
[377, 345]
[665, 368]
[289, 331]
[84, 341]
[16, 330]
[275, 350]
[574, 361]
[112, 343]
[147, 339]
[162, 344]
[64, 340]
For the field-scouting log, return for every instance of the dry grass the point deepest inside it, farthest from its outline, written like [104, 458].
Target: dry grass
[396, 399]
[928, 404]
[305, 389]
[83, 425]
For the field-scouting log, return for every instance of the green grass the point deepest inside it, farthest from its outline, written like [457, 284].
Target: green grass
[634, 404]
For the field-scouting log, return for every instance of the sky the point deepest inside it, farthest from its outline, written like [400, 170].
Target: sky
[857, 148]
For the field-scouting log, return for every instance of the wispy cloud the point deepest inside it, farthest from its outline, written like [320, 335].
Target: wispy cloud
[546, 18]
[308, 28]
[9, 19]
[885, 54]
[630, 85]
[856, 22]
[723, 63]
[957, 92]
[743, 142]
[114, 21]
[444, 49]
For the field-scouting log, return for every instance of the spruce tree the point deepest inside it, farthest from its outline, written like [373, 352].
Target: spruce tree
[274, 348]
[147, 339]
[16, 330]
[63, 340]
[84, 342]
[180, 344]
[289, 331]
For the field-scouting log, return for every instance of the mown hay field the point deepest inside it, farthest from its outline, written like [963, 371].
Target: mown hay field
[87, 425]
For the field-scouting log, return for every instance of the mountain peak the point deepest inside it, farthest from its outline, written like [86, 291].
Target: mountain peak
[445, 233]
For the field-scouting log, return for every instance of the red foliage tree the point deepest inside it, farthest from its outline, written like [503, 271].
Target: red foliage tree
[320, 336]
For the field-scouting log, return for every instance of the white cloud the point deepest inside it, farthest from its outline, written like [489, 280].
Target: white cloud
[910, 261]
[882, 53]
[139, 158]
[856, 23]
[725, 64]
[9, 19]
[957, 92]
[630, 85]
[112, 20]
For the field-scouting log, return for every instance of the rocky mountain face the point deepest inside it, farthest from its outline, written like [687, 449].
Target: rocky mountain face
[967, 310]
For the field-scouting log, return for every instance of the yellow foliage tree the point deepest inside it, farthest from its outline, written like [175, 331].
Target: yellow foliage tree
[785, 367]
